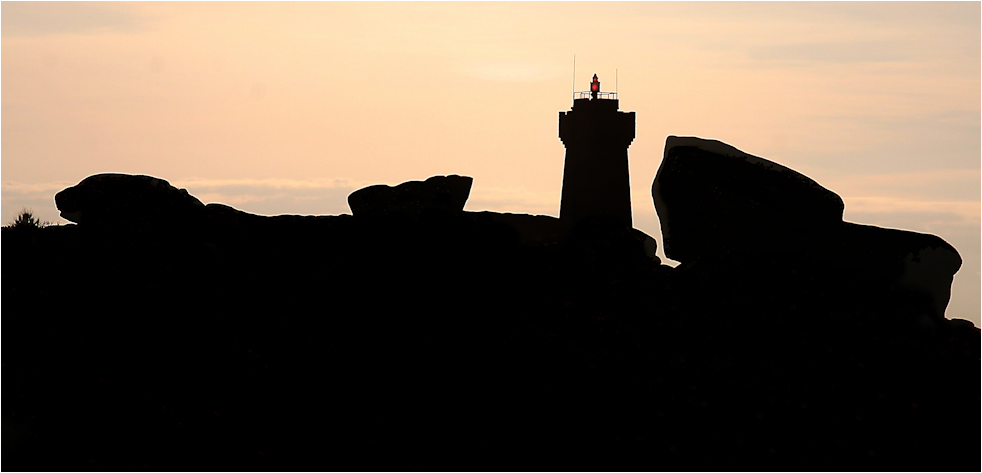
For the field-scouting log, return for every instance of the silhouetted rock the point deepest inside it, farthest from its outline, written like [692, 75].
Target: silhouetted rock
[713, 200]
[115, 200]
[921, 267]
[437, 195]
[736, 212]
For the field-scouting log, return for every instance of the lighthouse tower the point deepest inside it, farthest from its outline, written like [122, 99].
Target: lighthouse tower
[596, 179]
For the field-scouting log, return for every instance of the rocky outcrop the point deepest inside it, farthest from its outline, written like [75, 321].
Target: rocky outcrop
[420, 336]
[120, 200]
[728, 209]
[438, 194]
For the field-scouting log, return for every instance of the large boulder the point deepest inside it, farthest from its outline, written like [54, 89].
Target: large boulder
[713, 199]
[723, 208]
[412, 199]
[124, 200]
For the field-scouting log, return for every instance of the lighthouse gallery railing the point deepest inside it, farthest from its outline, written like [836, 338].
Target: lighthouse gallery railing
[600, 95]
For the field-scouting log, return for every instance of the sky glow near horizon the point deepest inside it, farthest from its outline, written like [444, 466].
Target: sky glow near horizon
[285, 108]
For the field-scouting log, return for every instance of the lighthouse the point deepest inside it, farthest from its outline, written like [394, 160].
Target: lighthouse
[596, 178]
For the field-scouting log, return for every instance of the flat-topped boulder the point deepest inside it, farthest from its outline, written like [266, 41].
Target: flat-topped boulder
[917, 268]
[435, 195]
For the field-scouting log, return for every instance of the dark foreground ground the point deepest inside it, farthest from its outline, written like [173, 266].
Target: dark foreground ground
[333, 343]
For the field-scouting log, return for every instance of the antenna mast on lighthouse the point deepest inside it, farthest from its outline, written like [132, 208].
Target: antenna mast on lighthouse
[574, 73]
[596, 174]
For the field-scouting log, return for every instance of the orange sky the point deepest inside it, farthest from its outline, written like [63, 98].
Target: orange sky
[287, 107]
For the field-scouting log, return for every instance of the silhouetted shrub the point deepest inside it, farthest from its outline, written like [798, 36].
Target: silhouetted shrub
[26, 219]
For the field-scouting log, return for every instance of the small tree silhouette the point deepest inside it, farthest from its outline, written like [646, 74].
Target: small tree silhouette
[26, 219]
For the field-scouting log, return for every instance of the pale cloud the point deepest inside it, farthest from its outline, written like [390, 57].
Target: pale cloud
[272, 183]
[55, 18]
[34, 188]
[940, 188]
[513, 200]
[924, 215]
[276, 196]
[38, 197]
[839, 52]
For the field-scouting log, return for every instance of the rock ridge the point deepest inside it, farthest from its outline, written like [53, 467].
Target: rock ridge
[162, 334]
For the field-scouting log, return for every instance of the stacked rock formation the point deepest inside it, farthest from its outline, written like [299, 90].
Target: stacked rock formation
[718, 204]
